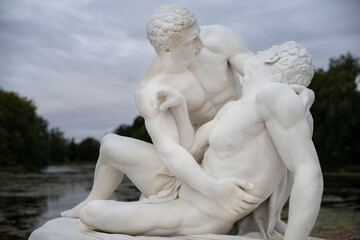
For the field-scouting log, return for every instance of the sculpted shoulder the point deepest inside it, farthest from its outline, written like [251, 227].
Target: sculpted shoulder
[280, 102]
[220, 39]
[152, 68]
[145, 100]
[144, 92]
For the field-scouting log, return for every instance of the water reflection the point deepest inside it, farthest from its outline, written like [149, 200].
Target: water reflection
[28, 201]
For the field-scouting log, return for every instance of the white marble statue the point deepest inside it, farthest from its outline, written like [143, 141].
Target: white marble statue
[198, 62]
[218, 159]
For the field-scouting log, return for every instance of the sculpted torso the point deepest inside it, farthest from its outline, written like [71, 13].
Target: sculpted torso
[207, 84]
[244, 144]
[238, 144]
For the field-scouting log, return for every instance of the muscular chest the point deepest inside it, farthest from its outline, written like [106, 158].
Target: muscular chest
[212, 71]
[187, 84]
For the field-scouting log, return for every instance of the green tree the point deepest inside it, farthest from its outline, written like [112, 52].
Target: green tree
[72, 151]
[22, 134]
[88, 150]
[57, 146]
[336, 113]
[136, 130]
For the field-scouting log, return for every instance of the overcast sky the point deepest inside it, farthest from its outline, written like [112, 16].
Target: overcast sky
[80, 60]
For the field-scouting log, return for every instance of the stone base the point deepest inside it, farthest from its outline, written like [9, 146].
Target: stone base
[73, 229]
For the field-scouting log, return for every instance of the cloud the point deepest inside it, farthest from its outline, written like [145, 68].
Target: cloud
[80, 61]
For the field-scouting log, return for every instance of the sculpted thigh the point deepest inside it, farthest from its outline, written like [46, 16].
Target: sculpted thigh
[171, 218]
[137, 159]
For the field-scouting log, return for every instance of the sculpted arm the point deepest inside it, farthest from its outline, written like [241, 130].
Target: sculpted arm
[196, 144]
[307, 96]
[232, 45]
[201, 141]
[285, 120]
[163, 130]
[167, 98]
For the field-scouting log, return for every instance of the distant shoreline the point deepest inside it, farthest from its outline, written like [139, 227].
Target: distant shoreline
[343, 234]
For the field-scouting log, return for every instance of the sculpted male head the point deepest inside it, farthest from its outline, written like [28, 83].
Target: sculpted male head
[166, 23]
[291, 63]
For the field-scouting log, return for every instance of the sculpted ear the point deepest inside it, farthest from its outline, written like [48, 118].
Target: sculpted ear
[164, 48]
[273, 59]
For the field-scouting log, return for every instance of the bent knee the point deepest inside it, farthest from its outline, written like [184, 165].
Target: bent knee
[109, 143]
[108, 137]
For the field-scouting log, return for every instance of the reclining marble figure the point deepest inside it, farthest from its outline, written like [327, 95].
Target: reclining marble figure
[256, 146]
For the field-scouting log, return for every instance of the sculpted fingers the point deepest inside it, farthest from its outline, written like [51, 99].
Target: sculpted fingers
[297, 88]
[158, 96]
[244, 184]
[167, 104]
[242, 207]
[161, 94]
[250, 198]
[238, 210]
[168, 97]
[245, 206]
[306, 95]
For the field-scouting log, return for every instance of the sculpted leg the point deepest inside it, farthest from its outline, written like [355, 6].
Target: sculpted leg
[118, 156]
[135, 218]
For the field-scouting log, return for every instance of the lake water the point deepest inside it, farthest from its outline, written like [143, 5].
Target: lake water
[28, 201]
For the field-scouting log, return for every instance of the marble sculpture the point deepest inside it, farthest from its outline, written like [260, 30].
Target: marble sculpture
[225, 155]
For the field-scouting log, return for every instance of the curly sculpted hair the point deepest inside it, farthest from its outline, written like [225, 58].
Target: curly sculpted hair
[292, 64]
[165, 24]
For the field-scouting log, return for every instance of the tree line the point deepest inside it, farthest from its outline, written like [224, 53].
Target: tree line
[336, 113]
[27, 143]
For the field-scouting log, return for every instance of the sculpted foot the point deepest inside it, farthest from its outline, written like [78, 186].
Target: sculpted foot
[74, 212]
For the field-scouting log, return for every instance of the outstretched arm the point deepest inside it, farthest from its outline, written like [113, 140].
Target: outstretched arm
[232, 45]
[285, 119]
[229, 43]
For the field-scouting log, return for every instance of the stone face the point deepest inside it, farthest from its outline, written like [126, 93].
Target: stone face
[222, 155]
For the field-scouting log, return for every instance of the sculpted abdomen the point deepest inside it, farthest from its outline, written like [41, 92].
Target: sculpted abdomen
[244, 149]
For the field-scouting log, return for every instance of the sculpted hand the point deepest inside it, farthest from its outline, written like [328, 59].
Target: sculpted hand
[167, 97]
[229, 194]
[306, 95]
